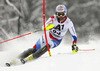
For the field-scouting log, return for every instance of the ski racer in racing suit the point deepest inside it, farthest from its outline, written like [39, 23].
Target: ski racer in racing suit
[56, 26]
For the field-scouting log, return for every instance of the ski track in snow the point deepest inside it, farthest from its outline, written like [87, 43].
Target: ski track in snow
[62, 58]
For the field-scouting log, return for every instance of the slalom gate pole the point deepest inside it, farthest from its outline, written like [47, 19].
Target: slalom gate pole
[15, 38]
[45, 28]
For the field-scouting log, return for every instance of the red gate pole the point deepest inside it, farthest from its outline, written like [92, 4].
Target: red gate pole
[45, 28]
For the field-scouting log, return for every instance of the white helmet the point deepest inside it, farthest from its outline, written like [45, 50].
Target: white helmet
[61, 9]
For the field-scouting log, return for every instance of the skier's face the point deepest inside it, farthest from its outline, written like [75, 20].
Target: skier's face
[60, 15]
[61, 18]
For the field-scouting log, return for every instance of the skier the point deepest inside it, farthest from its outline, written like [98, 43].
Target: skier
[56, 26]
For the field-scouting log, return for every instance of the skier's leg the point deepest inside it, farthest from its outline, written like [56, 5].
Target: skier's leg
[27, 53]
[38, 53]
[35, 55]
[30, 51]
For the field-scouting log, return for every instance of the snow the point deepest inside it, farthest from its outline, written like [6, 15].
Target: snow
[62, 58]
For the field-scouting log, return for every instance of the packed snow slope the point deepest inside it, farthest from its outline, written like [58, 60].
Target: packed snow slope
[62, 58]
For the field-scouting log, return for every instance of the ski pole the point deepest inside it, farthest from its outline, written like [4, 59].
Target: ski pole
[20, 36]
[16, 37]
[86, 49]
[37, 31]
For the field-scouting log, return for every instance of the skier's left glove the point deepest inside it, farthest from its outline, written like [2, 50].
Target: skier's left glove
[74, 48]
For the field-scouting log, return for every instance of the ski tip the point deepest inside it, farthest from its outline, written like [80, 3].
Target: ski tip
[7, 64]
[22, 61]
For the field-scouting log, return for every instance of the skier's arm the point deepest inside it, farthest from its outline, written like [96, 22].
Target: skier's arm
[72, 31]
[49, 24]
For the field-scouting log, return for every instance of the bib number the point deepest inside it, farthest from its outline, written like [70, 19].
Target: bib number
[57, 29]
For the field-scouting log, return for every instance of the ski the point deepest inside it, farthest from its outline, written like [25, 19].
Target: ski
[22, 61]
[10, 63]
[15, 62]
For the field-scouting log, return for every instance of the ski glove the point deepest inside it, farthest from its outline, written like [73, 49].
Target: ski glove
[49, 26]
[74, 48]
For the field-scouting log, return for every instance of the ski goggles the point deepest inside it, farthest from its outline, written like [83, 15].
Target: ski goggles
[60, 14]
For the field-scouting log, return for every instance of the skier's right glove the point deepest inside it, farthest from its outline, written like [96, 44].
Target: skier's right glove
[49, 26]
[74, 48]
